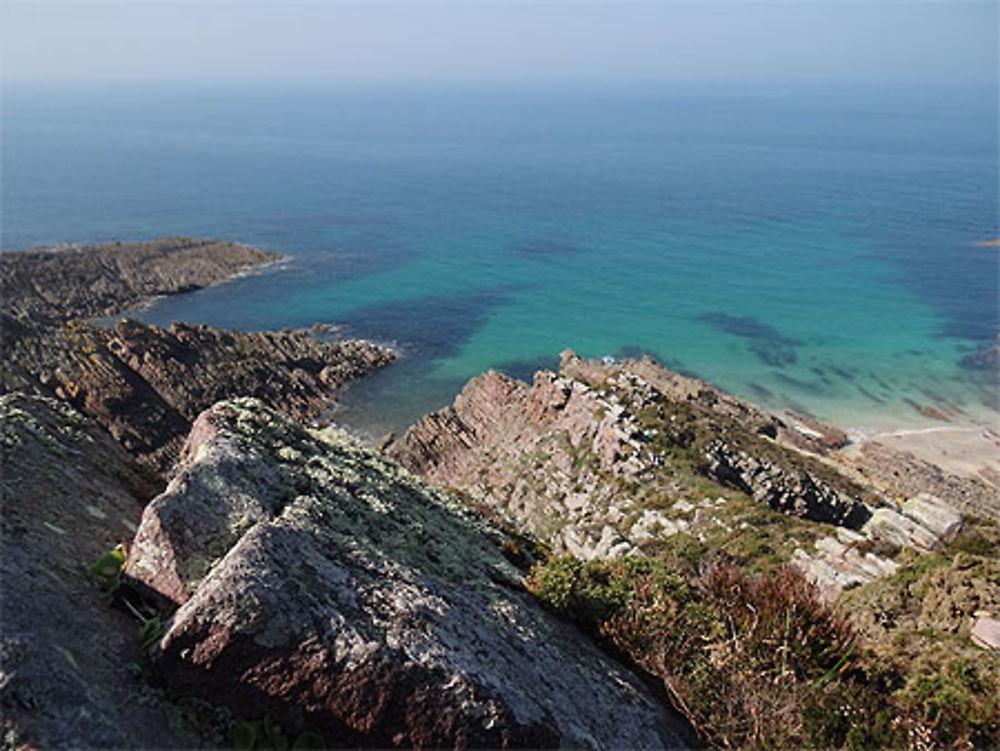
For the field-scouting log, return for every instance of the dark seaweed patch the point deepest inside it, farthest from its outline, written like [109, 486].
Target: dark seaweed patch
[546, 247]
[430, 327]
[986, 357]
[797, 383]
[766, 342]
[870, 395]
[845, 374]
[881, 384]
[524, 370]
[822, 375]
[757, 390]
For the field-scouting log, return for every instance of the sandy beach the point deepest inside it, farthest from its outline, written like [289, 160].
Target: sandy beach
[968, 450]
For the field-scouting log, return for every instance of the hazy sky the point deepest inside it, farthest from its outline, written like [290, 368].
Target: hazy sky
[469, 40]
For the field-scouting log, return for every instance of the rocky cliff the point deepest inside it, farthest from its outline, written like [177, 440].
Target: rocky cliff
[606, 459]
[81, 282]
[320, 584]
[597, 440]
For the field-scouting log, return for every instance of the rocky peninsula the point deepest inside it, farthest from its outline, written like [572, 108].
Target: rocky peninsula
[72, 282]
[613, 555]
[144, 383]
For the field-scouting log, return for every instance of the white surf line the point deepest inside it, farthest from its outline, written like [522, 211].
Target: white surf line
[924, 431]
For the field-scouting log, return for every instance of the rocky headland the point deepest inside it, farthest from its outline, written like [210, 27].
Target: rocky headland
[604, 460]
[144, 383]
[70, 282]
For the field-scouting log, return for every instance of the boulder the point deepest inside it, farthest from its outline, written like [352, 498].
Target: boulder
[894, 528]
[986, 632]
[934, 515]
[321, 584]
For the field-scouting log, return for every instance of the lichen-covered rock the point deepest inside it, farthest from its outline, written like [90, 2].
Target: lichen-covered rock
[322, 584]
[932, 514]
[70, 665]
[899, 530]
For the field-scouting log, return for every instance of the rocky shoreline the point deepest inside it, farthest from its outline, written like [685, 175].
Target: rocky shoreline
[189, 561]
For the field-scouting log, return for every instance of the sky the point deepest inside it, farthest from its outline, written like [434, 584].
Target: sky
[487, 41]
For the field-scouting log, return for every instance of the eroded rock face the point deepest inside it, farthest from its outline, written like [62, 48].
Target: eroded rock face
[569, 455]
[322, 584]
[146, 384]
[70, 665]
[60, 284]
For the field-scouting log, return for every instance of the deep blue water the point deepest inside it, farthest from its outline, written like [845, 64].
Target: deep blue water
[806, 247]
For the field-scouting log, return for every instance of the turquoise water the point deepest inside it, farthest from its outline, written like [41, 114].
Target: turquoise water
[805, 247]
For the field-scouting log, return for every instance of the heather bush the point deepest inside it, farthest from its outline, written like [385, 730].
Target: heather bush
[753, 660]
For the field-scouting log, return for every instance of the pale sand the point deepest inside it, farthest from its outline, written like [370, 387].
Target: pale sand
[964, 450]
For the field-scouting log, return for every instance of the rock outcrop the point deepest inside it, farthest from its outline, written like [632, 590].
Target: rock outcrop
[321, 584]
[146, 384]
[70, 665]
[58, 284]
[851, 558]
[604, 460]
[582, 455]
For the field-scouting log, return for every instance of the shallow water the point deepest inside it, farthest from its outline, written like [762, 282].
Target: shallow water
[809, 248]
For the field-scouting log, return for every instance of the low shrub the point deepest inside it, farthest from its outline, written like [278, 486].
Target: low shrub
[757, 659]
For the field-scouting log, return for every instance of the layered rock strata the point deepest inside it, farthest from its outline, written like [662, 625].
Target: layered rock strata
[591, 446]
[603, 460]
[320, 584]
[146, 384]
[70, 665]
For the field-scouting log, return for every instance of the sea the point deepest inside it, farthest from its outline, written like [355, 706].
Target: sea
[813, 247]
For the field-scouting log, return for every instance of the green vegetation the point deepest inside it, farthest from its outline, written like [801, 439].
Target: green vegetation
[107, 570]
[755, 659]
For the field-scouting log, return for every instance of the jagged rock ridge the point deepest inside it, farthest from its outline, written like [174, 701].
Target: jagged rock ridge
[146, 384]
[606, 459]
[578, 448]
